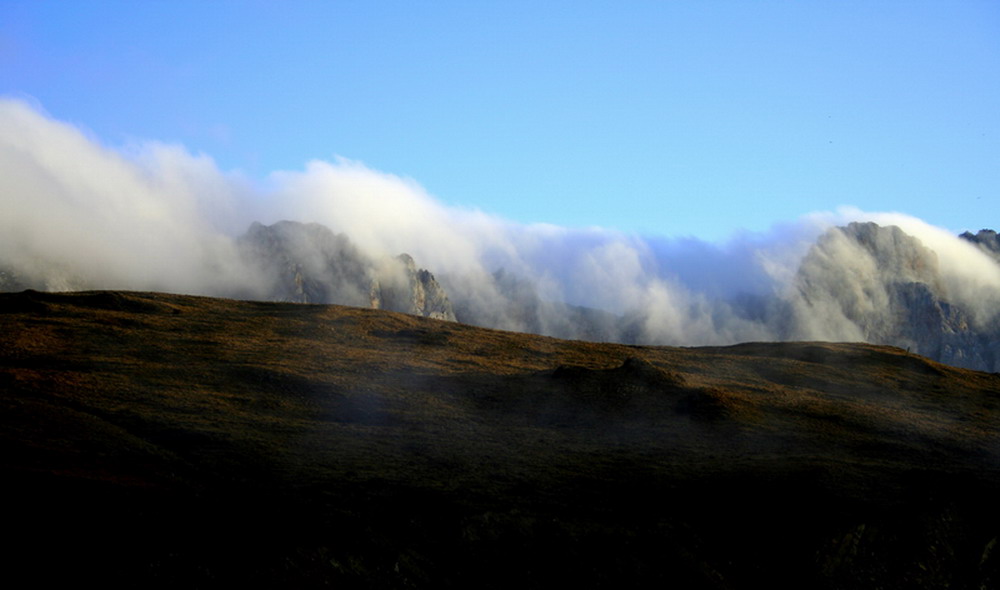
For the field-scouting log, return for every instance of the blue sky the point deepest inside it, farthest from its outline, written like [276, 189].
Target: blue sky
[660, 118]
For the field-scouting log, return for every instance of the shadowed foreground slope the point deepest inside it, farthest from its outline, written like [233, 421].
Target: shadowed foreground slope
[194, 442]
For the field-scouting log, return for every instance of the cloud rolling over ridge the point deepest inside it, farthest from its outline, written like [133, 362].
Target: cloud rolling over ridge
[78, 214]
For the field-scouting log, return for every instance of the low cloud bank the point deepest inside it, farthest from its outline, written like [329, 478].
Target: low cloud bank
[78, 214]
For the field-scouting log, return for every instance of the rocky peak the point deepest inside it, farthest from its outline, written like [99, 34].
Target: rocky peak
[309, 263]
[881, 285]
[898, 255]
[844, 281]
[987, 240]
[402, 286]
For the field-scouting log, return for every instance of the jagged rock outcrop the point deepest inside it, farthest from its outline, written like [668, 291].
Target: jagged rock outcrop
[308, 263]
[865, 282]
[409, 289]
[862, 282]
[987, 240]
[846, 283]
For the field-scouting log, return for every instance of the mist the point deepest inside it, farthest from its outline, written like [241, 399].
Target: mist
[78, 214]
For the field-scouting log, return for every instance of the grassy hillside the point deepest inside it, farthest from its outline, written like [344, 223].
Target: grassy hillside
[168, 440]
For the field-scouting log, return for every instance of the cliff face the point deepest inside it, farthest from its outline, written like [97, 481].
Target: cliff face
[308, 263]
[402, 286]
[987, 240]
[861, 283]
[879, 285]
[848, 285]
[858, 283]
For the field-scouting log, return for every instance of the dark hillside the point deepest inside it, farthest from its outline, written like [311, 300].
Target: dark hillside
[162, 440]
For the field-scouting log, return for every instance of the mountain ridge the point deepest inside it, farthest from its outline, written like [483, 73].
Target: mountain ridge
[859, 282]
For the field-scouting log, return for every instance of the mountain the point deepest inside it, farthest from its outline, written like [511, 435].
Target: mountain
[986, 239]
[864, 282]
[285, 261]
[858, 283]
[861, 282]
[151, 440]
[308, 263]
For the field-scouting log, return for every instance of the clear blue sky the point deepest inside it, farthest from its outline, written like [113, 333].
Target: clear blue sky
[662, 118]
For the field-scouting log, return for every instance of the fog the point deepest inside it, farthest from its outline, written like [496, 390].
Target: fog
[80, 214]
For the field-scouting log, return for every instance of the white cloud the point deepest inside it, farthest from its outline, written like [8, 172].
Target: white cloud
[157, 217]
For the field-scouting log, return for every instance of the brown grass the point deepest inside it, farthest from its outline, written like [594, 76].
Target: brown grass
[310, 445]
